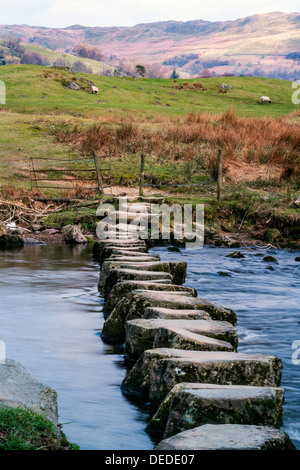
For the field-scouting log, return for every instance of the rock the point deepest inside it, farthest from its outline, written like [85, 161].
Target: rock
[121, 289]
[118, 275]
[72, 234]
[19, 388]
[236, 254]
[53, 231]
[32, 241]
[36, 227]
[134, 305]
[174, 314]
[228, 437]
[270, 259]
[225, 86]
[104, 248]
[158, 370]
[270, 268]
[11, 241]
[297, 202]
[142, 258]
[177, 270]
[174, 248]
[73, 86]
[297, 258]
[190, 405]
[224, 273]
[200, 335]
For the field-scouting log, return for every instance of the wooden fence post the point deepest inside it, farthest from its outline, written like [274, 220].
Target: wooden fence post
[220, 175]
[99, 177]
[142, 175]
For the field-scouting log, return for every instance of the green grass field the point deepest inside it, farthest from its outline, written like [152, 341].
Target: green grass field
[28, 91]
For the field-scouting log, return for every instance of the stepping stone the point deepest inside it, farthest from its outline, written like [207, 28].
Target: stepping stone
[189, 405]
[158, 370]
[169, 314]
[119, 275]
[109, 245]
[134, 305]
[177, 270]
[19, 388]
[121, 289]
[228, 437]
[200, 335]
[108, 251]
[143, 258]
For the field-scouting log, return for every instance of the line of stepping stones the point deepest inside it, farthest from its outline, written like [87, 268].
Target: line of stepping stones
[205, 395]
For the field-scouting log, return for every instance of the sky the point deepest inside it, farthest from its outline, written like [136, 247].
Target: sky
[62, 13]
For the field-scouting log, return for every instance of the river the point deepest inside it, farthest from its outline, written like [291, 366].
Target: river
[51, 321]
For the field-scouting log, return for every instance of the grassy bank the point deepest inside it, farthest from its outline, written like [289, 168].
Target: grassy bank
[24, 429]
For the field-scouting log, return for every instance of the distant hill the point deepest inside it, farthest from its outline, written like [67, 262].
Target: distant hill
[255, 45]
[50, 57]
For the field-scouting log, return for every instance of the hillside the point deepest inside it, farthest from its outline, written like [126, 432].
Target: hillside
[50, 56]
[38, 89]
[254, 45]
[178, 125]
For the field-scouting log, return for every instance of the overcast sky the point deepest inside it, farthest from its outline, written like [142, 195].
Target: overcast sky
[61, 13]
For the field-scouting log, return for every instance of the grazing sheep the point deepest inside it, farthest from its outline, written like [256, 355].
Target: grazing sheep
[265, 99]
[94, 90]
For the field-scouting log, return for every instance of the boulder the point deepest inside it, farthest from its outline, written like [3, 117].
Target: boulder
[270, 259]
[32, 241]
[177, 270]
[189, 405]
[19, 388]
[11, 241]
[134, 305]
[73, 86]
[121, 289]
[72, 234]
[175, 314]
[104, 248]
[235, 254]
[118, 275]
[228, 437]
[158, 370]
[198, 335]
[53, 231]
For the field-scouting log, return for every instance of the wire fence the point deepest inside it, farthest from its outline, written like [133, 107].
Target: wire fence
[84, 178]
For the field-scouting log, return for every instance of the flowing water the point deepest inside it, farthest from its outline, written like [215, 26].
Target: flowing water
[267, 304]
[51, 322]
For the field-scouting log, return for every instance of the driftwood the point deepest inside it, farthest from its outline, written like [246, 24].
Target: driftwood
[24, 214]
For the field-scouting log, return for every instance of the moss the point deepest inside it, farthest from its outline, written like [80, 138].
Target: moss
[271, 235]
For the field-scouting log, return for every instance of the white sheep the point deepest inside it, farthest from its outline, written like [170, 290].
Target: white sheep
[94, 90]
[265, 99]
